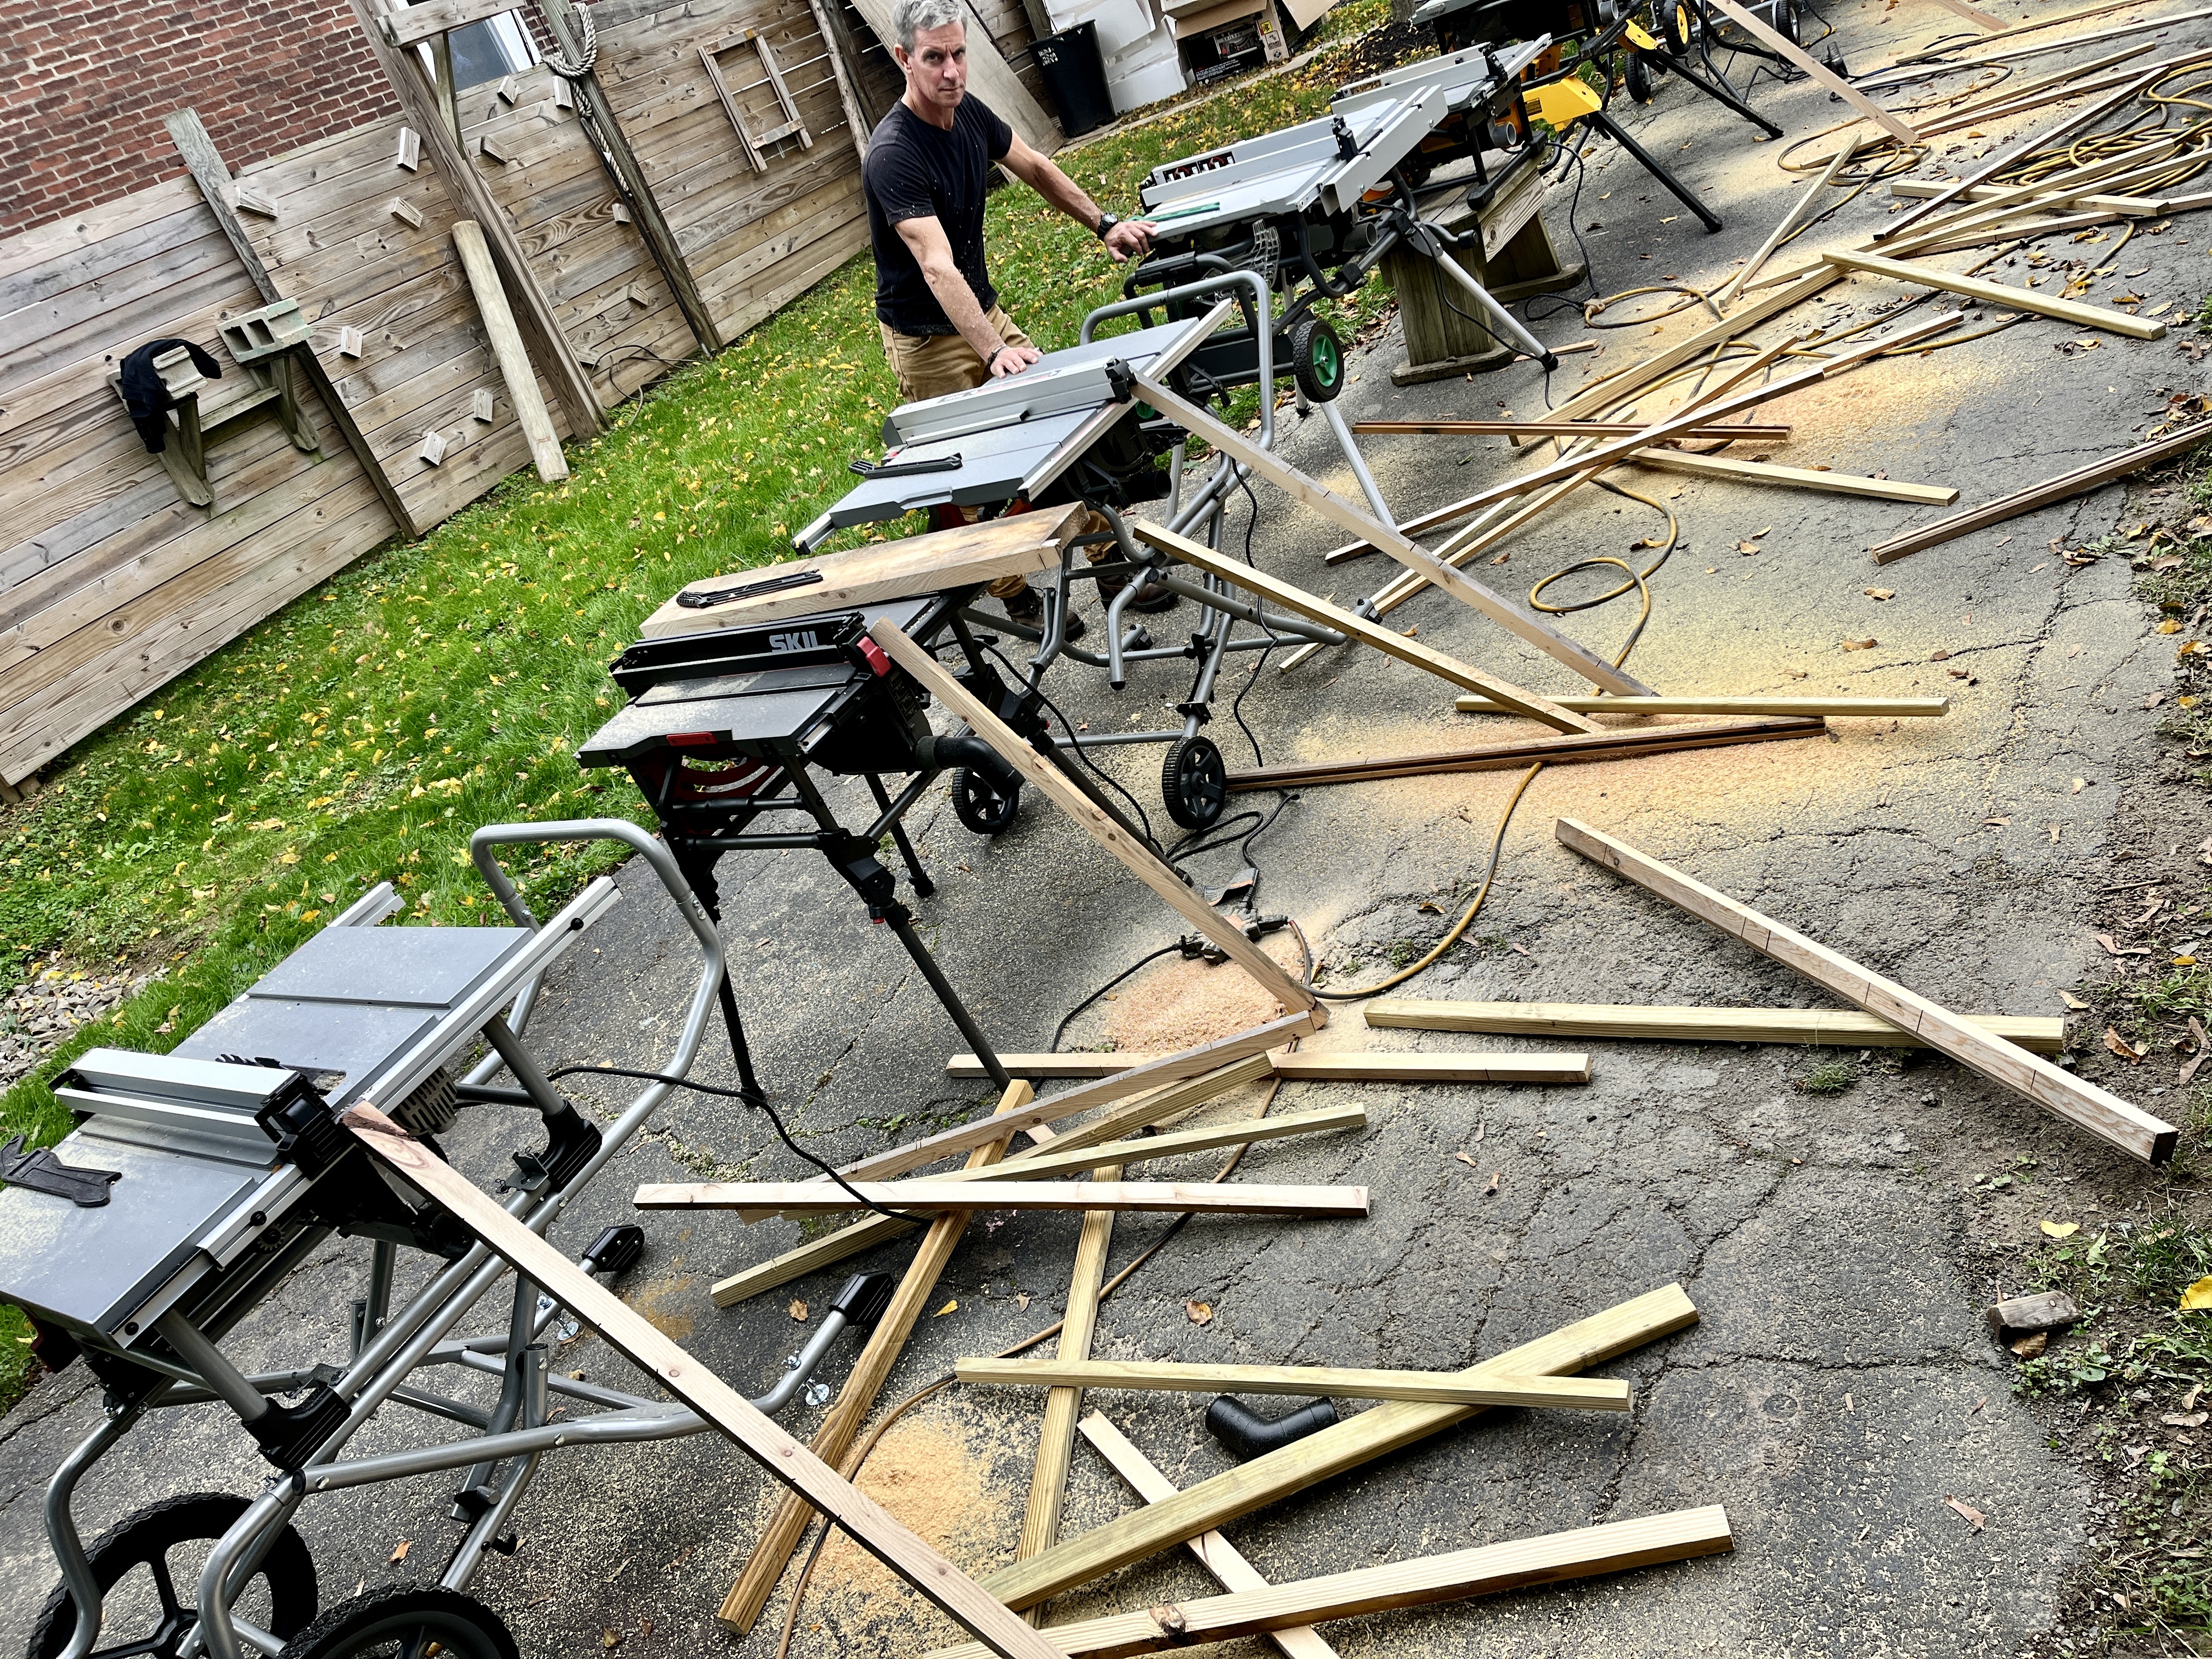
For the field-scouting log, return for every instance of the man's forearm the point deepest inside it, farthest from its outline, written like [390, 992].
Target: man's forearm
[1064, 193]
[964, 310]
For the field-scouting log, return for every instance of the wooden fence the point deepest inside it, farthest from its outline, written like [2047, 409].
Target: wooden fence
[110, 583]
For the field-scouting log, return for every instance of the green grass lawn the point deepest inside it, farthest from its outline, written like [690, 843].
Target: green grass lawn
[361, 733]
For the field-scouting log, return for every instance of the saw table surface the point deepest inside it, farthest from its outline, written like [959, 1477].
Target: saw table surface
[1463, 77]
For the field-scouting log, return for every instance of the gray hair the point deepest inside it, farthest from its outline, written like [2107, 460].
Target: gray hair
[910, 17]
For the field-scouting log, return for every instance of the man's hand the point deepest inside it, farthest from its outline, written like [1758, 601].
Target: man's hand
[1012, 360]
[1131, 239]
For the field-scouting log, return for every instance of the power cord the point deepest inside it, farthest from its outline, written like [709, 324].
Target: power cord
[1067, 726]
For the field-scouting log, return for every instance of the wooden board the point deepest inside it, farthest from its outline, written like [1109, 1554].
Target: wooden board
[1570, 749]
[1895, 126]
[2105, 1116]
[1055, 1452]
[917, 1285]
[1769, 434]
[1162, 1197]
[627, 1331]
[1138, 859]
[2133, 207]
[1306, 1067]
[1216, 1554]
[1347, 1445]
[1837, 1028]
[1524, 624]
[898, 569]
[1795, 477]
[1801, 707]
[1389, 641]
[1999, 294]
[1586, 1394]
[2064, 487]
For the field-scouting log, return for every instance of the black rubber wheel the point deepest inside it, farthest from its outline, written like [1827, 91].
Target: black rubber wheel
[153, 1611]
[1637, 74]
[1194, 782]
[1679, 24]
[1417, 167]
[1317, 361]
[1786, 22]
[403, 1621]
[979, 802]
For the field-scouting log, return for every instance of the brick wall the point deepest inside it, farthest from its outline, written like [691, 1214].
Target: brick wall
[84, 85]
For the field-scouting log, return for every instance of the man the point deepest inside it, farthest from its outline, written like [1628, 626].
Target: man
[926, 174]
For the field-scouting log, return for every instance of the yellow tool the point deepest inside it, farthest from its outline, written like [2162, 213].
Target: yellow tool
[1563, 103]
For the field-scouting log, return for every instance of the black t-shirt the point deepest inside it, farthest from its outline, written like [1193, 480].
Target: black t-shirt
[917, 171]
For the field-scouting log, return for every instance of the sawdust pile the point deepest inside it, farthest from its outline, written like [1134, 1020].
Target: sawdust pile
[1180, 1002]
[944, 1488]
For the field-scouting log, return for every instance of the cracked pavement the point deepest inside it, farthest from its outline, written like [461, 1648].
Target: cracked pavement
[1839, 1386]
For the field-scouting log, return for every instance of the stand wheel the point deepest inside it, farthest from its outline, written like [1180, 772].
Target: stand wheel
[1194, 782]
[1316, 361]
[1679, 24]
[980, 803]
[1785, 22]
[403, 1621]
[1637, 74]
[1417, 167]
[149, 1563]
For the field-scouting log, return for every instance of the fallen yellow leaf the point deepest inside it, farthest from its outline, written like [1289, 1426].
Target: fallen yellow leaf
[2197, 1299]
[1202, 1313]
[2061, 1229]
[949, 1307]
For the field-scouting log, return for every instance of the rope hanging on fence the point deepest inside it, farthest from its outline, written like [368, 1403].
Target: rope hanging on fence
[590, 55]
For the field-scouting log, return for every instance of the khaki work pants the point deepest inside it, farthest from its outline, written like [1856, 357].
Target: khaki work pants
[935, 365]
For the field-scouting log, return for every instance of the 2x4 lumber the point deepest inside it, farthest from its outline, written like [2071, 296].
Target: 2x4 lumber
[1795, 477]
[473, 200]
[1306, 1067]
[515, 369]
[1893, 125]
[1341, 513]
[1798, 212]
[1148, 1108]
[1979, 19]
[1296, 1467]
[1151, 1197]
[741, 1608]
[1768, 434]
[2133, 207]
[1138, 859]
[1486, 1570]
[1836, 1028]
[1804, 707]
[1604, 745]
[211, 174]
[1998, 294]
[2065, 486]
[1585, 1393]
[2104, 1114]
[813, 1484]
[1389, 641]
[1215, 1553]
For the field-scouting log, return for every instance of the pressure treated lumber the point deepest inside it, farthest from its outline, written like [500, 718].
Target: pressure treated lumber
[1166, 1197]
[1999, 294]
[1819, 1027]
[1389, 641]
[1138, 859]
[2105, 1116]
[514, 366]
[1358, 1066]
[1297, 1467]
[1522, 624]
[1767, 433]
[1803, 708]
[1566, 750]
[813, 1484]
[1486, 1570]
[1894, 125]
[1125, 1119]
[1215, 1553]
[741, 1608]
[1795, 477]
[2066, 485]
[1585, 1393]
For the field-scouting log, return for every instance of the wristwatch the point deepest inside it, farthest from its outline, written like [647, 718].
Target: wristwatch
[1106, 222]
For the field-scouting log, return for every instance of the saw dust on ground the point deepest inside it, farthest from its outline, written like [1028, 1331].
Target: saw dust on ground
[654, 1301]
[1183, 1002]
[943, 1486]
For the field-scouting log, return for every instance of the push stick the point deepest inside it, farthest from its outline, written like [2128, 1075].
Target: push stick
[1169, 1197]
[1558, 430]
[1886, 709]
[1138, 859]
[1587, 1393]
[1215, 1553]
[1372, 1434]
[1836, 1028]
[813, 1484]
[1487, 1569]
[1999, 294]
[1357, 1066]
[2105, 1116]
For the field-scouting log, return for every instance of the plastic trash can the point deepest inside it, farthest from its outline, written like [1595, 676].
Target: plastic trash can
[1074, 72]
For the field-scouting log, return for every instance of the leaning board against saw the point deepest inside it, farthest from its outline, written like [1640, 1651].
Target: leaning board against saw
[1011, 546]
